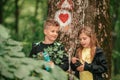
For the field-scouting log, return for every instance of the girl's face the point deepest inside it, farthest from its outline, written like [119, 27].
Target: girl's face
[84, 40]
[51, 33]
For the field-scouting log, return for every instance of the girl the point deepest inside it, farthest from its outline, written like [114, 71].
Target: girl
[92, 59]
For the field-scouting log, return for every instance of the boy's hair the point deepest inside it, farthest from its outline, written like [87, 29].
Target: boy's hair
[50, 22]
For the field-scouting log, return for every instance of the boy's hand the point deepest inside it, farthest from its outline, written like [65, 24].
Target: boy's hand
[51, 63]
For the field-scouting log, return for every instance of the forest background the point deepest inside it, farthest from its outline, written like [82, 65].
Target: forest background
[23, 22]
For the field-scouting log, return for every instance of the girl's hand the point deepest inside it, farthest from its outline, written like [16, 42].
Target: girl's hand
[81, 68]
[74, 59]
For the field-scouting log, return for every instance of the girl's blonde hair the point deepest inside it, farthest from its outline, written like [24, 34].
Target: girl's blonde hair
[90, 32]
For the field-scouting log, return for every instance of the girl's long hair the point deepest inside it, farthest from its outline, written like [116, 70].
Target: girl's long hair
[89, 31]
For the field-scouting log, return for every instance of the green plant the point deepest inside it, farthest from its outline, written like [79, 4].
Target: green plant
[14, 65]
[56, 52]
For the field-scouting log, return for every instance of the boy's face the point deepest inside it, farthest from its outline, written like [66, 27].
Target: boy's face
[51, 33]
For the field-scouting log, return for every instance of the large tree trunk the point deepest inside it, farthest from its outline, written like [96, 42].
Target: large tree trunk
[104, 29]
[85, 12]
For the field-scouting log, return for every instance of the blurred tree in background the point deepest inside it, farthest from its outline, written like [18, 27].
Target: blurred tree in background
[25, 18]
[115, 18]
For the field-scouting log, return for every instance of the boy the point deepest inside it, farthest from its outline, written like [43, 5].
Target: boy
[54, 49]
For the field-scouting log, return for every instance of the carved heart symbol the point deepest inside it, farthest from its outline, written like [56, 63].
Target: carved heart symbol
[63, 17]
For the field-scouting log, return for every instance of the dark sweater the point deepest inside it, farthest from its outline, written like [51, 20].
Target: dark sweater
[40, 47]
[97, 67]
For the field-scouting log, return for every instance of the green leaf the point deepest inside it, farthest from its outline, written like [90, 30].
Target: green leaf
[11, 69]
[47, 76]
[22, 72]
[43, 74]
[55, 49]
[4, 32]
[31, 78]
[13, 42]
[64, 75]
[3, 64]
[14, 48]
[30, 61]
[60, 52]
[7, 74]
[16, 54]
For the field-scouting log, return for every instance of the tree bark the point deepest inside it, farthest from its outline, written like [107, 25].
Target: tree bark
[86, 12]
[104, 29]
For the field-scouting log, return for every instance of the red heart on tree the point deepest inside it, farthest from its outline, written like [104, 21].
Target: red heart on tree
[63, 17]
